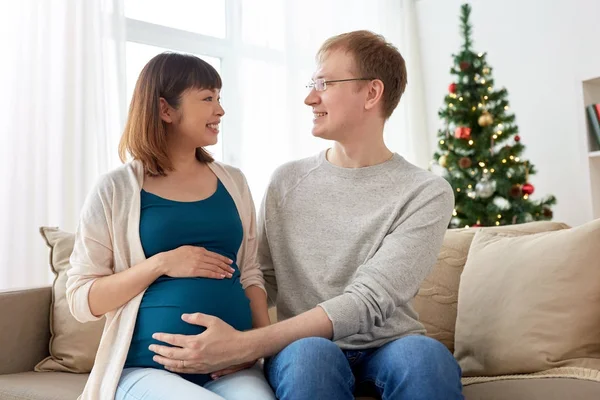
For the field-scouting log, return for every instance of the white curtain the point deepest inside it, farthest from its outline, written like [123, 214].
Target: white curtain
[274, 121]
[62, 109]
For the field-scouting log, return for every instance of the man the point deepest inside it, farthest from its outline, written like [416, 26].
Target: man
[345, 240]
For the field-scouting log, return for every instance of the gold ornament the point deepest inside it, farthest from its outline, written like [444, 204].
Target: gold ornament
[486, 70]
[443, 161]
[485, 119]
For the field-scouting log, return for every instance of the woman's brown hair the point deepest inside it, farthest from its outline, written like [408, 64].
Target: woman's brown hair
[167, 75]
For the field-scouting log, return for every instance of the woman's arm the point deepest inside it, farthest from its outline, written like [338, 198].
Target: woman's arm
[251, 276]
[111, 292]
[258, 305]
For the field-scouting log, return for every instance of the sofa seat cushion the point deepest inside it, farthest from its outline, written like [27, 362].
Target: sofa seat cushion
[50, 386]
[534, 389]
[42, 386]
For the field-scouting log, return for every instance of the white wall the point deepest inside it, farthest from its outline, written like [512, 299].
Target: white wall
[540, 51]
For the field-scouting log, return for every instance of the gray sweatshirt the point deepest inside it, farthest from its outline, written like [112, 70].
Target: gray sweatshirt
[357, 242]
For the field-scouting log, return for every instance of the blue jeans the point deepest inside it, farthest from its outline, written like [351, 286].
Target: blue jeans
[412, 368]
[159, 384]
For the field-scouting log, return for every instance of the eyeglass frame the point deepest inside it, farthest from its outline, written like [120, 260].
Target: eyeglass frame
[313, 83]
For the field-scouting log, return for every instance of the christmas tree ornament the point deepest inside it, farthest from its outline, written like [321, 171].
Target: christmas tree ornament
[485, 119]
[471, 194]
[477, 224]
[515, 191]
[527, 189]
[486, 70]
[501, 203]
[527, 217]
[452, 88]
[464, 65]
[485, 187]
[547, 212]
[517, 138]
[443, 160]
[465, 162]
[462, 132]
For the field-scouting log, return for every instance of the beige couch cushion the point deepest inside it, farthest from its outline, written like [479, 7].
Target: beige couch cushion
[438, 296]
[73, 345]
[534, 389]
[42, 386]
[530, 303]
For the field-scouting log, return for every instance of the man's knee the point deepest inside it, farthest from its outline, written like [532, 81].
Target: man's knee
[311, 355]
[310, 366]
[419, 353]
[310, 351]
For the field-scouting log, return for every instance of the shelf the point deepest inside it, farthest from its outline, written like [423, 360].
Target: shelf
[591, 95]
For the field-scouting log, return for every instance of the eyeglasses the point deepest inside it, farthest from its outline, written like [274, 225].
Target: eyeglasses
[320, 85]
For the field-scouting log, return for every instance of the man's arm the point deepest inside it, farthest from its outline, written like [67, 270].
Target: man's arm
[272, 339]
[393, 275]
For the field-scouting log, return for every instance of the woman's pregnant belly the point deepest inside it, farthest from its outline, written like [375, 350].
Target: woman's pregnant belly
[168, 298]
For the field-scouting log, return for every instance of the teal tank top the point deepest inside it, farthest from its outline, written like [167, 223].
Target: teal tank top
[212, 223]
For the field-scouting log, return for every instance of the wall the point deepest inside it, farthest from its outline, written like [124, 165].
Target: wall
[540, 51]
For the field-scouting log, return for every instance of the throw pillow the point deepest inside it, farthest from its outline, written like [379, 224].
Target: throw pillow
[438, 296]
[73, 345]
[530, 303]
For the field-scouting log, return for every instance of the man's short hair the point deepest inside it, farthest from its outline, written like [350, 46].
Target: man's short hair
[374, 57]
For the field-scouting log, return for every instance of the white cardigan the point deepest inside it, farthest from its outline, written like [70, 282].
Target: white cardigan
[108, 241]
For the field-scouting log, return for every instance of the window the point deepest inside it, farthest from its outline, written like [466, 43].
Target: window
[206, 17]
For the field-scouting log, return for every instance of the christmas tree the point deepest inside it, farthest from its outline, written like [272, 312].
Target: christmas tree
[479, 148]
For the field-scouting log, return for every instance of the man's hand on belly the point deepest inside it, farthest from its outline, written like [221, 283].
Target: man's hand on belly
[220, 346]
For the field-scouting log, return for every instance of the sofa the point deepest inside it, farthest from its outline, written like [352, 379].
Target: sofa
[499, 359]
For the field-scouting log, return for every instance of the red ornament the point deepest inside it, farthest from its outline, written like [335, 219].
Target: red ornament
[464, 65]
[517, 138]
[527, 189]
[465, 162]
[452, 88]
[462, 132]
[515, 191]
[476, 226]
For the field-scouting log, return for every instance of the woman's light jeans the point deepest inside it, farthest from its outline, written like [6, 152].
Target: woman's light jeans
[157, 384]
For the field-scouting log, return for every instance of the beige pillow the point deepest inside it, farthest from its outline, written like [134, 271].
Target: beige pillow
[530, 303]
[437, 298]
[73, 345]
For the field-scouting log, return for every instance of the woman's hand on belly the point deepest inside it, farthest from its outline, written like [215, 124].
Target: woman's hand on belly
[193, 261]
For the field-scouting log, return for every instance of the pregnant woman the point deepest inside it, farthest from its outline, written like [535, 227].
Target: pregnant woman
[171, 232]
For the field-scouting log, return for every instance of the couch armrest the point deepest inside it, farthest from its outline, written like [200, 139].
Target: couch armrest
[24, 328]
